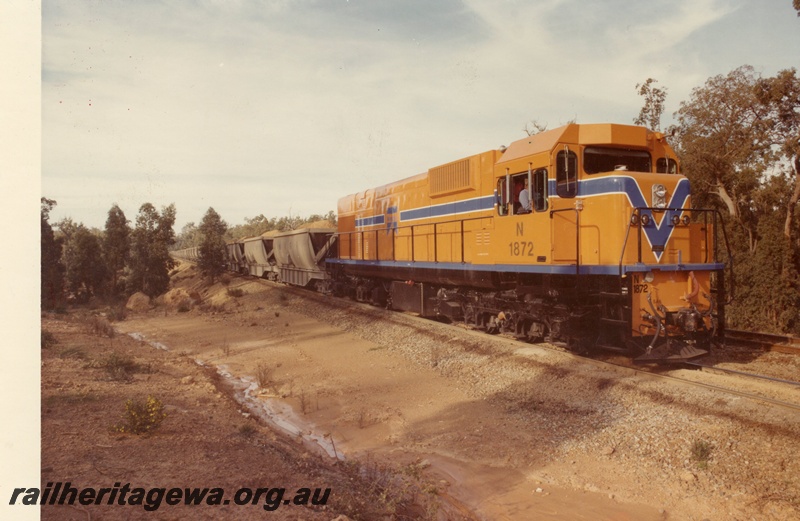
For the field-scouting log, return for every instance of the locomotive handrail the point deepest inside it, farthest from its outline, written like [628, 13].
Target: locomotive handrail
[625, 242]
[410, 227]
[635, 220]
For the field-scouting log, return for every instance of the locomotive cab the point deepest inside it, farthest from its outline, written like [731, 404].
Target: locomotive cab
[667, 303]
[637, 267]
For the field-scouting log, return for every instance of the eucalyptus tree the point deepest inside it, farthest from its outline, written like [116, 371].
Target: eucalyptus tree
[725, 143]
[150, 261]
[52, 270]
[82, 257]
[654, 98]
[738, 137]
[212, 250]
[116, 245]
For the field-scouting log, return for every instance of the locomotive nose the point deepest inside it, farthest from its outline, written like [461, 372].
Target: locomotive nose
[682, 345]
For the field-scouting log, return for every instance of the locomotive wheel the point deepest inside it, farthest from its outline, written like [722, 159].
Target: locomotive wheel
[535, 332]
[469, 314]
[492, 324]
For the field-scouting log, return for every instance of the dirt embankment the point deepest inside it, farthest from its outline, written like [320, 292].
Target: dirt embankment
[206, 439]
[401, 418]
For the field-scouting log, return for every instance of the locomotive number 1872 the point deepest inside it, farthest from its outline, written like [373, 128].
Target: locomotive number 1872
[521, 248]
[639, 285]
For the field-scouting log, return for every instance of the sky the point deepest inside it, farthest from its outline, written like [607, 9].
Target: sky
[281, 107]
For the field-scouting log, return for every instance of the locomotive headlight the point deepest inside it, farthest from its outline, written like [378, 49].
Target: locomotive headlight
[649, 276]
[659, 196]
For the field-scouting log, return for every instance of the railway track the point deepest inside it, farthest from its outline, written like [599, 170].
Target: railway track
[655, 372]
[741, 373]
[765, 341]
[742, 394]
[659, 373]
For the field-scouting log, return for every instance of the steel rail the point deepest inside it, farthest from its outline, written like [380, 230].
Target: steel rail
[741, 394]
[742, 373]
[767, 341]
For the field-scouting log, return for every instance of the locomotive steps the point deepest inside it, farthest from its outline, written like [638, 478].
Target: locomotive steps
[506, 429]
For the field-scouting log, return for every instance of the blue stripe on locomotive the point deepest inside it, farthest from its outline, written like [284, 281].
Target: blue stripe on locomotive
[370, 221]
[657, 234]
[441, 210]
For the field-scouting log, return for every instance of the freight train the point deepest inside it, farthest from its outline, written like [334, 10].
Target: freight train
[583, 235]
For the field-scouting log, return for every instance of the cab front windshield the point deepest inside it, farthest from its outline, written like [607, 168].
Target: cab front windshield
[598, 159]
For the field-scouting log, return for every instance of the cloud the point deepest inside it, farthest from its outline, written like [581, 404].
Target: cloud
[270, 105]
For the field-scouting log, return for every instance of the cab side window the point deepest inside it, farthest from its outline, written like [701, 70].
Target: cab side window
[521, 202]
[566, 174]
[540, 190]
[666, 166]
[502, 197]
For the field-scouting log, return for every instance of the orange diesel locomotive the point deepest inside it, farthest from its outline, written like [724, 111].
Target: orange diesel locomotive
[583, 234]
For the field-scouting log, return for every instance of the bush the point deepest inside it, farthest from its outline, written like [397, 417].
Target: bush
[48, 339]
[235, 292]
[264, 375]
[117, 313]
[73, 352]
[99, 326]
[121, 368]
[701, 452]
[247, 430]
[142, 416]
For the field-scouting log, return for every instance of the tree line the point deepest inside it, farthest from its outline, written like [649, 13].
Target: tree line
[78, 263]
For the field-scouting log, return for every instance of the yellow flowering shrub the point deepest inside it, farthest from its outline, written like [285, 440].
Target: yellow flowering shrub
[142, 416]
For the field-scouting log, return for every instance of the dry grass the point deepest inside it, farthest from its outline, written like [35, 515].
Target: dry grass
[264, 376]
